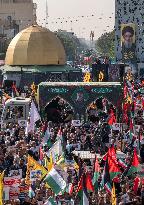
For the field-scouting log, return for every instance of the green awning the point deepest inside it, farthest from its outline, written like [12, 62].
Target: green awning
[39, 69]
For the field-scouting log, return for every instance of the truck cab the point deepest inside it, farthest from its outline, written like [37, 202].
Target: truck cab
[16, 109]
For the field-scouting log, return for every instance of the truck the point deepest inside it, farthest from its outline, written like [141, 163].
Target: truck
[16, 110]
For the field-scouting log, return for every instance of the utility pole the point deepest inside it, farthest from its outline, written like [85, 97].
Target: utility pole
[46, 20]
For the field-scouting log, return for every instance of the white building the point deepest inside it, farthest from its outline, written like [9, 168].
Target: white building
[16, 14]
[127, 12]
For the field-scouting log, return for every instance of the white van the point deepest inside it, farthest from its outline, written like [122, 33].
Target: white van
[15, 110]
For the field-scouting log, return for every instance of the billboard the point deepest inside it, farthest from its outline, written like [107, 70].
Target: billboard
[128, 43]
[108, 73]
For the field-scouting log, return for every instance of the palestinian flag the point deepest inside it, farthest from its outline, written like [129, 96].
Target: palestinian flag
[82, 191]
[70, 188]
[122, 164]
[114, 169]
[131, 127]
[96, 174]
[31, 193]
[55, 180]
[50, 201]
[47, 138]
[105, 183]
[135, 163]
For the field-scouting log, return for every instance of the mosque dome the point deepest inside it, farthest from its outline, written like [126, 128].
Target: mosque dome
[35, 46]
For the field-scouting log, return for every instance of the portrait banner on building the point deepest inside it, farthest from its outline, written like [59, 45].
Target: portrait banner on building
[114, 73]
[128, 43]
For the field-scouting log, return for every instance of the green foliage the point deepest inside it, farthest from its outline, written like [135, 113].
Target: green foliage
[69, 42]
[105, 44]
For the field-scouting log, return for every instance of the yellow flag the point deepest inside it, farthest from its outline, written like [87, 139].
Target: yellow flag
[33, 87]
[1, 188]
[129, 99]
[61, 162]
[113, 195]
[87, 77]
[50, 163]
[76, 166]
[46, 162]
[34, 165]
[101, 76]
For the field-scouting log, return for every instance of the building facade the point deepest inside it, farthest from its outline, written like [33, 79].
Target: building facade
[15, 15]
[129, 26]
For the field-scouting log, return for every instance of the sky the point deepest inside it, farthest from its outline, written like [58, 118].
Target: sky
[79, 16]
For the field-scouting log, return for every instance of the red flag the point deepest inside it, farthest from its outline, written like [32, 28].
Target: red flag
[135, 159]
[86, 181]
[125, 107]
[136, 184]
[15, 89]
[112, 118]
[89, 185]
[96, 166]
[41, 153]
[114, 169]
[135, 163]
[105, 157]
[125, 90]
[59, 133]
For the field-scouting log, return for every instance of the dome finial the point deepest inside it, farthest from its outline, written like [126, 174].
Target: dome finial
[34, 15]
[35, 20]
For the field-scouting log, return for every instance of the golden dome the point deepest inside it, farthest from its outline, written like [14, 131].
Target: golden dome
[35, 46]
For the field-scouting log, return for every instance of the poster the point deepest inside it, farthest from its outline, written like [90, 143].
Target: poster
[14, 193]
[116, 126]
[35, 175]
[128, 42]
[22, 123]
[76, 123]
[12, 181]
[15, 173]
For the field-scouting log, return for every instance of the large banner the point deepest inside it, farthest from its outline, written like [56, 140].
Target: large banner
[128, 43]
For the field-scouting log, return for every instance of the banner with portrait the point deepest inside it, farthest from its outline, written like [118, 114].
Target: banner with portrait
[128, 42]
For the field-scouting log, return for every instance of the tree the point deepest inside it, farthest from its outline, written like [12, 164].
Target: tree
[71, 43]
[105, 44]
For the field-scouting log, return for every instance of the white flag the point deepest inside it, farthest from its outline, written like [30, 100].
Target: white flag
[55, 150]
[34, 117]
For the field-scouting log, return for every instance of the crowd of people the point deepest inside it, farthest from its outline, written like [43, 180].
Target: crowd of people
[84, 155]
